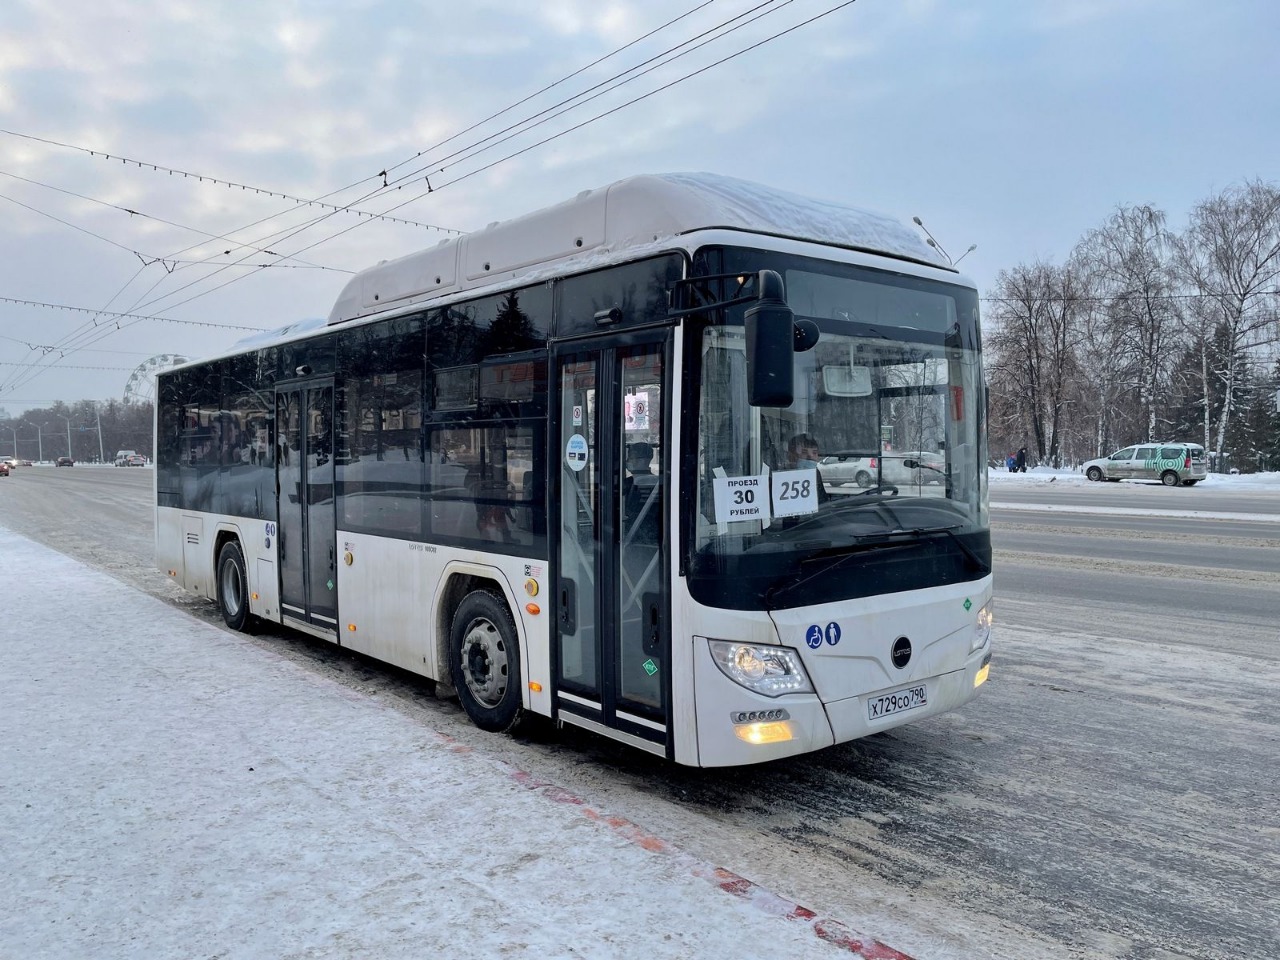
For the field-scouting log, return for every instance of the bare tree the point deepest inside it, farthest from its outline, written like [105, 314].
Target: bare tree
[1103, 372]
[1230, 254]
[1033, 342]
[1130, 261]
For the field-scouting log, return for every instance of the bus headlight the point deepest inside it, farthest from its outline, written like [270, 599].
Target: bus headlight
[982, 629]
[772, 671]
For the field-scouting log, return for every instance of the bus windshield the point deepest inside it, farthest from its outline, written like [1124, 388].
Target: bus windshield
[877, 463]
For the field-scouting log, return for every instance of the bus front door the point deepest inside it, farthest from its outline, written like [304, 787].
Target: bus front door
[612, 598]
[305, 491]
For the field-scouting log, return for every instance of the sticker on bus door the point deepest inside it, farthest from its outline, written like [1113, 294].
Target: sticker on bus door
[575, 452]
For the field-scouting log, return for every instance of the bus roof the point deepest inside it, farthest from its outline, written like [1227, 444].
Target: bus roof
[609, 224]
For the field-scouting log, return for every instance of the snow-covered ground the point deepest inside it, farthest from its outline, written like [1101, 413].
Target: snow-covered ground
[1046, 474]
[171, 790]
[1003, 480]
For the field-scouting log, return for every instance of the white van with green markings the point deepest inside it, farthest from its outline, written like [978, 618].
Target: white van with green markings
[1173, 464]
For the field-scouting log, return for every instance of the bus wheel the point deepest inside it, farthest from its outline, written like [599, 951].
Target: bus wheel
[484, 661]
[233, 590]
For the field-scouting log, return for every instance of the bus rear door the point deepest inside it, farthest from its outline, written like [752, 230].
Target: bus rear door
[304, 484]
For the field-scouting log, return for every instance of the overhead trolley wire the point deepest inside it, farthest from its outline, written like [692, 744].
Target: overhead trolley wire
[569, 104]
[87, 330]
[555, 83]
[204, 177]
[292, 232]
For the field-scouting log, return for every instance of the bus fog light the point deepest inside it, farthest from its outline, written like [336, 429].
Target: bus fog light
[982, 629]
[779, 732]
[772, 671]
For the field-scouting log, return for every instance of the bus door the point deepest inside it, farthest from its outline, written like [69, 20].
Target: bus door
[611, 454]
[305, 489]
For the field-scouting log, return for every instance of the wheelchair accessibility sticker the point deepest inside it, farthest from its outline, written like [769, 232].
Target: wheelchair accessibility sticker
[815, 635]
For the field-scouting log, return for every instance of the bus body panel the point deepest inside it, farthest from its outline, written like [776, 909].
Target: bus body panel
[412, 631]
[855, 639]
[720, 701]
[849, 717]
[187, 550]
[169, 541]
[936, 620]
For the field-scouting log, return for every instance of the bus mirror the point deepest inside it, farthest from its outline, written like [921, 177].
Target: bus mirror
[807, 335]
[771, 339]
[853, 380]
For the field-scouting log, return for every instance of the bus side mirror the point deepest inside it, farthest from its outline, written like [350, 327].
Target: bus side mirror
[773, 335]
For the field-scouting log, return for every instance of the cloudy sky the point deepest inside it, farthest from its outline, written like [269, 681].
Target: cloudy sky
[1015, 125]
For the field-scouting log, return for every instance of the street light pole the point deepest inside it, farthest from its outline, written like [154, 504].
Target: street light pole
[66, 420]
[97, 413]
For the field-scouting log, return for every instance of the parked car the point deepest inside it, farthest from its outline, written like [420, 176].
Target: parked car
[1170, 463]
[895, 467]
[928, 466]
[64, 462]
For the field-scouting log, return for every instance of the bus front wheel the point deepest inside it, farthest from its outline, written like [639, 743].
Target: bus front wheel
[484, 662]
[233, 590]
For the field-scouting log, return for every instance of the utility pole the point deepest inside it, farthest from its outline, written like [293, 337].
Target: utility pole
[97, 413]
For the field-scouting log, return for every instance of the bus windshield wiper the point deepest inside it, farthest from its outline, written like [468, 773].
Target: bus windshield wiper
[890, 540]
[950, 531]
[885, 541]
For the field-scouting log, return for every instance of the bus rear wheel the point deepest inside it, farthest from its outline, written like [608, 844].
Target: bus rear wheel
[233, 589]
[484, 662]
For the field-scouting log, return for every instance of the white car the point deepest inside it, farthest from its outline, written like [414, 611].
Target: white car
[893, 467]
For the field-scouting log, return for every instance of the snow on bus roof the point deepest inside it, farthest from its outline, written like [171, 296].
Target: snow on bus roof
[617, 221]
[621, 221]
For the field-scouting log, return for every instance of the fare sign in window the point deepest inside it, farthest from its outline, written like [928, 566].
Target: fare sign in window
[795, 492]
[784, 493]
[741, 498]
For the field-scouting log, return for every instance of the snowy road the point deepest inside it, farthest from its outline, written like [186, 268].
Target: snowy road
[1111, 794]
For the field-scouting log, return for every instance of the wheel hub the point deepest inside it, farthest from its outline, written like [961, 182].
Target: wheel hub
[232, 589]
[484, 658]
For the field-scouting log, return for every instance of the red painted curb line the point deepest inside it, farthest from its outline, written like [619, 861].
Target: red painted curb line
[831, 931]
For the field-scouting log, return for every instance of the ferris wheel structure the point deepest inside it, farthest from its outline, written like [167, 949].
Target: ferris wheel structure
[141, 385]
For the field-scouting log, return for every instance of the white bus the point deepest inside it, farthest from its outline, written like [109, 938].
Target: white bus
[568, 465]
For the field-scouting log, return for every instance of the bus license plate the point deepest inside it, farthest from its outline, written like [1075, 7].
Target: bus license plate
[897, 702]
